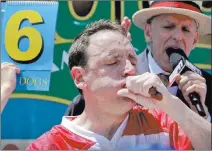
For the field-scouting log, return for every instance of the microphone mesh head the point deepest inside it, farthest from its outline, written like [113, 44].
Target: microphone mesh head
[175, 55]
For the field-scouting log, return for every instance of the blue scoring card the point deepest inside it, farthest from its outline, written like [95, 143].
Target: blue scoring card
[28, 33]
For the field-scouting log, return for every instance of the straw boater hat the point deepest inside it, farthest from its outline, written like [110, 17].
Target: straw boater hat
[188, 8]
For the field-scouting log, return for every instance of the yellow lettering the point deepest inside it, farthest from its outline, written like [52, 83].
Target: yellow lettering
[38, 81]
[34, 81]
[13, 35]
[30, 81]
[45, 82]
[22, 81]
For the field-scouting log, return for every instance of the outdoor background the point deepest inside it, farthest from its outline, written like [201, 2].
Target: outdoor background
[30, 114]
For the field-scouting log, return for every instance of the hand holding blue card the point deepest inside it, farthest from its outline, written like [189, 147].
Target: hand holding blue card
[28, 30]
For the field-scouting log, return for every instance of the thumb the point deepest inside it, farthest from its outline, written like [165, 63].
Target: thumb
[124, 24]
[127, 93]
[129, 36]
[128, 24]
[177, 78]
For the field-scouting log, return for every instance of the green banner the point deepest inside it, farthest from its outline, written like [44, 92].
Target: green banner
[36, 112]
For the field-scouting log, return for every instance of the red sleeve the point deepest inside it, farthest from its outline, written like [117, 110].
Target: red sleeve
[59, 138]
[159, 120]
[44, 142]
[178, 139]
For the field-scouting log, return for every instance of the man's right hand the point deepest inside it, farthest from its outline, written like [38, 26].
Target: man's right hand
[126, 23]
[8, 81]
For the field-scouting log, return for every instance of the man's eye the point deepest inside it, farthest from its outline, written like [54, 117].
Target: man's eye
[113, 63]
[168, 27]
[185, 29]
[134, 64]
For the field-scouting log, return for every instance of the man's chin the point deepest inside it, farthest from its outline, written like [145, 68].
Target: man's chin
[167, 67]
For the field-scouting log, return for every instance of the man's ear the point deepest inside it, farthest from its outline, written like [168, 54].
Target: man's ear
[77, 74]
[196, 39]
[147, 33]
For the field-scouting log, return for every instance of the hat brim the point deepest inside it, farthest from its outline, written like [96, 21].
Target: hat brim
[140, 17]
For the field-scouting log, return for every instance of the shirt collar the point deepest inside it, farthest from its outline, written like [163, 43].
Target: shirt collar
[153, 66]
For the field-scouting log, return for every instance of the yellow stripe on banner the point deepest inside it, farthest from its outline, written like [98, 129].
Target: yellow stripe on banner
[112, 11]
[122, 10]
[82, 18]
[60, 40]
[203, 46]
[208, 10]
[204, 66]
[39, 97]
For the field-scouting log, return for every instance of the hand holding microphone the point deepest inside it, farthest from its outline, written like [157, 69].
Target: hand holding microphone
[194, 90]
[191, 83]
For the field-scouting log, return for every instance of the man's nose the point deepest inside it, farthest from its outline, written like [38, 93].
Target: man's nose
[178, 35]
[130, 69]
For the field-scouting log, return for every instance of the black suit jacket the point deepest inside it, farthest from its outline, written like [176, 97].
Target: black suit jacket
[208, 101]
[78, 104]
[76, 107]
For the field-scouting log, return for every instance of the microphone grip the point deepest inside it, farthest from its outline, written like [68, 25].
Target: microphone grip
[195, 100]
[155, 94]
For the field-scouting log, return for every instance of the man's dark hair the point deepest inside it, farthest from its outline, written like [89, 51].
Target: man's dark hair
[78, 51]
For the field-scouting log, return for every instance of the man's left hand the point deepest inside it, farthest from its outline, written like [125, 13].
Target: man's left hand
[190, 82]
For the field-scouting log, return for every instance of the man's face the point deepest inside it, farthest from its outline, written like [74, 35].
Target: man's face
[171, 30]
[111, 60]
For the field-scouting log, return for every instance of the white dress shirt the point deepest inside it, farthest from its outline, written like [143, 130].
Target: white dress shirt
[156, 69]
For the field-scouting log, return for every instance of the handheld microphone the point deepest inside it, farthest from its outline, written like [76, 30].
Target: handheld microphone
[180, 64]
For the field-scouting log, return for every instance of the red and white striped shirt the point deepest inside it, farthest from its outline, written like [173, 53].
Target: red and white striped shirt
[141, 128]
